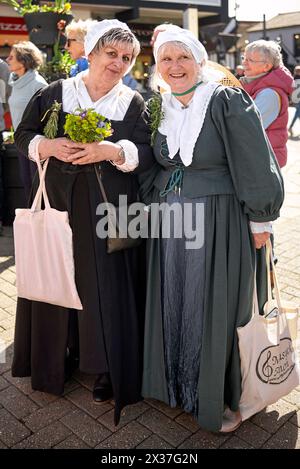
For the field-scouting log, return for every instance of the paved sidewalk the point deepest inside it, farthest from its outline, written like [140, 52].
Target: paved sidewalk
[31, 419]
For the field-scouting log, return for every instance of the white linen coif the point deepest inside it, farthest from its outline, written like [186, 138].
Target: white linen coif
[98, 30]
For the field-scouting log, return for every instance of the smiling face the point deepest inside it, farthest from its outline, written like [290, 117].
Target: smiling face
[111, 62]
[177, 67]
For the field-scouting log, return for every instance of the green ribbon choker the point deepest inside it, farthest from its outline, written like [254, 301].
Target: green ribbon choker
[188, 91]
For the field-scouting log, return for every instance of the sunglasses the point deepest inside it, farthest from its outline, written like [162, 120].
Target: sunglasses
[69, 41]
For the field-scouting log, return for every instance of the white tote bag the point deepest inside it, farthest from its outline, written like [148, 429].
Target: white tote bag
[44, 252]
[269, 363]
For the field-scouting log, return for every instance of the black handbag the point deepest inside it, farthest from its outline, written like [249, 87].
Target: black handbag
[114, 241]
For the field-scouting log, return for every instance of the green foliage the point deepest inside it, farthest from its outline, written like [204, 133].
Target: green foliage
[50, 130]
[154, 105]
[87, 126]
[58, 67]
[26, 6]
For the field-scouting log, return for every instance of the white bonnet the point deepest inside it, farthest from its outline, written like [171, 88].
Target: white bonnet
[97, 30]
[186, 37]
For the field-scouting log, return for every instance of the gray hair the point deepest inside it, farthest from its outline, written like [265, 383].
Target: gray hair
[28, 55]
[270, 51]
[155, 77]
[79, 28]
[113, 37]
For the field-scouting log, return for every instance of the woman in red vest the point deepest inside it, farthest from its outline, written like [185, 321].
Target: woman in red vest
[269, 83]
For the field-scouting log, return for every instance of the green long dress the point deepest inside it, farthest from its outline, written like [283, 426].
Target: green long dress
[235, 172]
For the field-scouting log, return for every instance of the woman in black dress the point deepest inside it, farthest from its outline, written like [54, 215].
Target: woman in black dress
[106, 333]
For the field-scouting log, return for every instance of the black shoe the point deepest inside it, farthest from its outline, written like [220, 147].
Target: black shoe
[102, 388]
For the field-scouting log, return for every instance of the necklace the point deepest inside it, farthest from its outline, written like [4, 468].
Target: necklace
[188, 91]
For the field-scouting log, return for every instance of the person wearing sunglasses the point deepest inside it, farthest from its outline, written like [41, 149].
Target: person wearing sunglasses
[269, 83]
[75, 34]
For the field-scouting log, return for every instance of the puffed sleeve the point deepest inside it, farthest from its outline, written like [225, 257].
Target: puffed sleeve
[253, 166]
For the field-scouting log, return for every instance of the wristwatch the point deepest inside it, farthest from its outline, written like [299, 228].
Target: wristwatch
[121, 157]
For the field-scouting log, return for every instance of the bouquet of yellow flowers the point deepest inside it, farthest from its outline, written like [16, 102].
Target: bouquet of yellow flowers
[87, 126]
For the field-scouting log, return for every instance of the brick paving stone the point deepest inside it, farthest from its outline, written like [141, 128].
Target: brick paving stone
[47, 415]
[4, 314]
[164, 427]
[128, 414]
[16, 402]
[292, 291]
[274, 416]
[3, 383]
[252, 434]
[203, 440]
[85, 380]
[46, 437]
[287, 437]
[4, 367]
[6, 301]
[8, 276]
[11, 309]
[91, 432]
[70, 386]
[7, 336]
[127, 437]
[162, 407]
[23, 384]
[7, 288]
[154, 442]
[43, 399]
[188, 421]
[295, 420]
[9, 323]
[293, 398]
[11, 430]
[235, 443]
[72, 442]
[83, 399]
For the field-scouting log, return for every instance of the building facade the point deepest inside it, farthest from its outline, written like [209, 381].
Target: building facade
[285, 29]
[141, 15]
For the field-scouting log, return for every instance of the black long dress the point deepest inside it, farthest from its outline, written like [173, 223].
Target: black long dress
[108, 330]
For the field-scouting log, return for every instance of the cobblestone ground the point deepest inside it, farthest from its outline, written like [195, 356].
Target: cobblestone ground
[31, 419]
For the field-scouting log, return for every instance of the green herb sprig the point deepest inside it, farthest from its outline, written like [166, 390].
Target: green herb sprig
[156, 114]
[50, 129]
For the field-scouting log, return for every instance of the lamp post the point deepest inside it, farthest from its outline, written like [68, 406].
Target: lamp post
[236, 52]
[264, 27]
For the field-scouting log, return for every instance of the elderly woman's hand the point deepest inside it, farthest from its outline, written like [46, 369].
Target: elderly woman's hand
[61, 148]
[94, 152]
[260, 239]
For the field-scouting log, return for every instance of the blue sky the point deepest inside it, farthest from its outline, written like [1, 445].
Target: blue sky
[254, 9]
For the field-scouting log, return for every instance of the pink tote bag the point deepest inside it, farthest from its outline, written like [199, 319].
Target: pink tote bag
[44, 252]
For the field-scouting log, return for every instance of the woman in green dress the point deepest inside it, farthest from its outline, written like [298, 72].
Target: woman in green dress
[216, 172]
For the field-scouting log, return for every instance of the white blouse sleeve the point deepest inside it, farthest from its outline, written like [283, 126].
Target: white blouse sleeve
[261, 227]
[33, 154]
[131, 156]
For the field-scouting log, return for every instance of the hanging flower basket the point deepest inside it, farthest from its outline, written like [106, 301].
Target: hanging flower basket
[42, 26]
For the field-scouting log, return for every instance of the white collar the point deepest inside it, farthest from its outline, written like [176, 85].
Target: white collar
[113, 105]
[182, 125]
